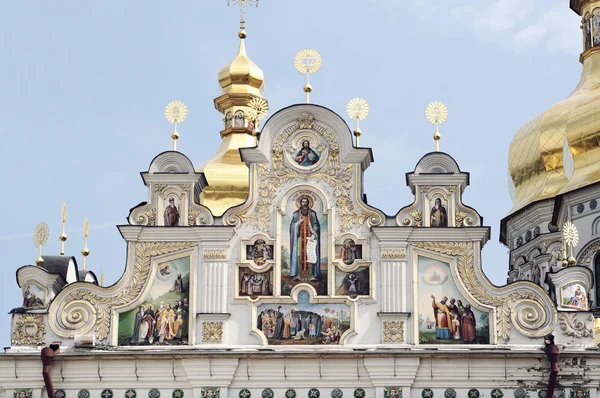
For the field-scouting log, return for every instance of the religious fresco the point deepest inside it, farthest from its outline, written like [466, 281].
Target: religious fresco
[349, 251]
[353, 284]
[303, 323]
[255, 284]
[163, 318]
[34, 297]
[445, 316]
[259, 252]
[438, 215]
[171, 213]
[306, 155]
[304, 243]
[574, 295]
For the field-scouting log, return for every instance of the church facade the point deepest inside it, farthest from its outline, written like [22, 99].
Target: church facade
[265, 273]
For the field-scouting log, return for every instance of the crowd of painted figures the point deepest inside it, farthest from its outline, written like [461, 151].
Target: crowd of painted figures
[454, 321]
[166, 325]
[299, 325]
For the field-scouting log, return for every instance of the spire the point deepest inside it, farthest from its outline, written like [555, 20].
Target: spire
[243, 106]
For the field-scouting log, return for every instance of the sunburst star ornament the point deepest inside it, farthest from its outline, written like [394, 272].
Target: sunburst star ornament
[175, 113]
[357, 109]
[40, 237]
[258, 109]
[307, 62]
[436, 113]
[243, 4]
[571, 239]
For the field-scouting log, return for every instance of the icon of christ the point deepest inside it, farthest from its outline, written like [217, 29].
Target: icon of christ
[305, 243]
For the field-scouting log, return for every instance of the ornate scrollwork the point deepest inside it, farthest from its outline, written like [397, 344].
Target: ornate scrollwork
[159, 188]
[417, 215]
[29, 330]
[571, 326]
[523, 308]
[148, 217]
[586, 256]
[459, 216]
[192, 215]
[89, 307]
[393, 331]
[218, 254]
[184, 187]
[393, 254]
[337, 176]
[212, 332]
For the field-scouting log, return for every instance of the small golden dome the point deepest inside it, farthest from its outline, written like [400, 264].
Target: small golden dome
[241, 75]
[559, 150]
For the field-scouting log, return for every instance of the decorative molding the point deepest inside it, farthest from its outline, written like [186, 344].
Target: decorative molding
[214, 254]
[417, 215]
[459, 216]
[159, 188]
[192, 215]
[586, 255]
[23, 393]
[212, 332]
[90, 307]
[210, 392]
[150, 216]
[573, 327]
[393, 331]
[523, 308]
[184, 187]
[29, 330]
[337, 176]
[393, 254]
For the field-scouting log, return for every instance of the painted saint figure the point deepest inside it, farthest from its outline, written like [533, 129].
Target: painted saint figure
[443, 324]
[348, 253]
[306, 156]
[261, 252]
[171, 214]
[305, 233]
[439, 217]
[578, 299]
[468, 325]
[178, 284]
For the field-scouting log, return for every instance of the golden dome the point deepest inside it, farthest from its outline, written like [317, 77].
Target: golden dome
[241, 75]
[559, 150]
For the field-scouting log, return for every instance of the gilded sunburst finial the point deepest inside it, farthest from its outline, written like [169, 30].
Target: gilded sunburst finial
[436, 113]
[358, 109]
[243, 4]
[40, 237]
[307, 62]
[258, 108]
[570, 241]
[175, 113]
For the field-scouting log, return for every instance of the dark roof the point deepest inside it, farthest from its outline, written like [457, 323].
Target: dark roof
[58, 265]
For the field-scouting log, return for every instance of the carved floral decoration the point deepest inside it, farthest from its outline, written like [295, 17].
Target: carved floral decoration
[393, 331]
[212, 332]
[29, 330]
[571, 326]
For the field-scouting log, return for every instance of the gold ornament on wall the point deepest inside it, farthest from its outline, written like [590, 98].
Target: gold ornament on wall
[393, 331]
[358, 109]
[40, 237]
[307, 62]
[212, 332]
[570, 241]
[436, 113]
[29, 330]
[175, 113]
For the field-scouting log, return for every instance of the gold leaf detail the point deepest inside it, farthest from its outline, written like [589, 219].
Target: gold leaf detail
[29, 330]
[212, 332]
[460, 217]
[192, 215]
[417, 215]
[393, 331]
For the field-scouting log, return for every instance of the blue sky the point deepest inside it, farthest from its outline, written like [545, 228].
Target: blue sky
[83, 86]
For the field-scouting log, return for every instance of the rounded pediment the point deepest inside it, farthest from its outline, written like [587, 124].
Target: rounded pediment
[437, 163]
[171, 162]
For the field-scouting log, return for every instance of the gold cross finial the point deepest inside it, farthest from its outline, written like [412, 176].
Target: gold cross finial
[243, 4]
[357, 109]
[40, 237]
[308, 61]
[85, 252]
[436, 113]
[63, 235]
[175, 112]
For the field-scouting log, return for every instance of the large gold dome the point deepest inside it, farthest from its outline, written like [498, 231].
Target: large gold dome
[559, 150]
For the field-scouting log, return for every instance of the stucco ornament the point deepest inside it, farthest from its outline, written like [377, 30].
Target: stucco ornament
[212, 332]
[338, 177]
[571, 326]
[393, 254]
[587, 254]
[148, 217]
[29, 330]
[393, 331]
[89, 308]
[521, 307]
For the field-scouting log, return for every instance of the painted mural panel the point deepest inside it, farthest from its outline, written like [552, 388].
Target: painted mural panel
[349, 251]
[574, 296]
[259, 252]
[303, 323]
[163, 317]
[34, 297]
[254, 283]
[445, 316]
[304, 243]
[353, 284]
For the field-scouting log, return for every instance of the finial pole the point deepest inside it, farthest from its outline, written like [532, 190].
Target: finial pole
[175, 113]
[358, 109]
[308, 61]
[40, 237]
[243, 4]
[258, 110]
[63, 235]
[101, 277]
[436, 113]
[85, 252]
